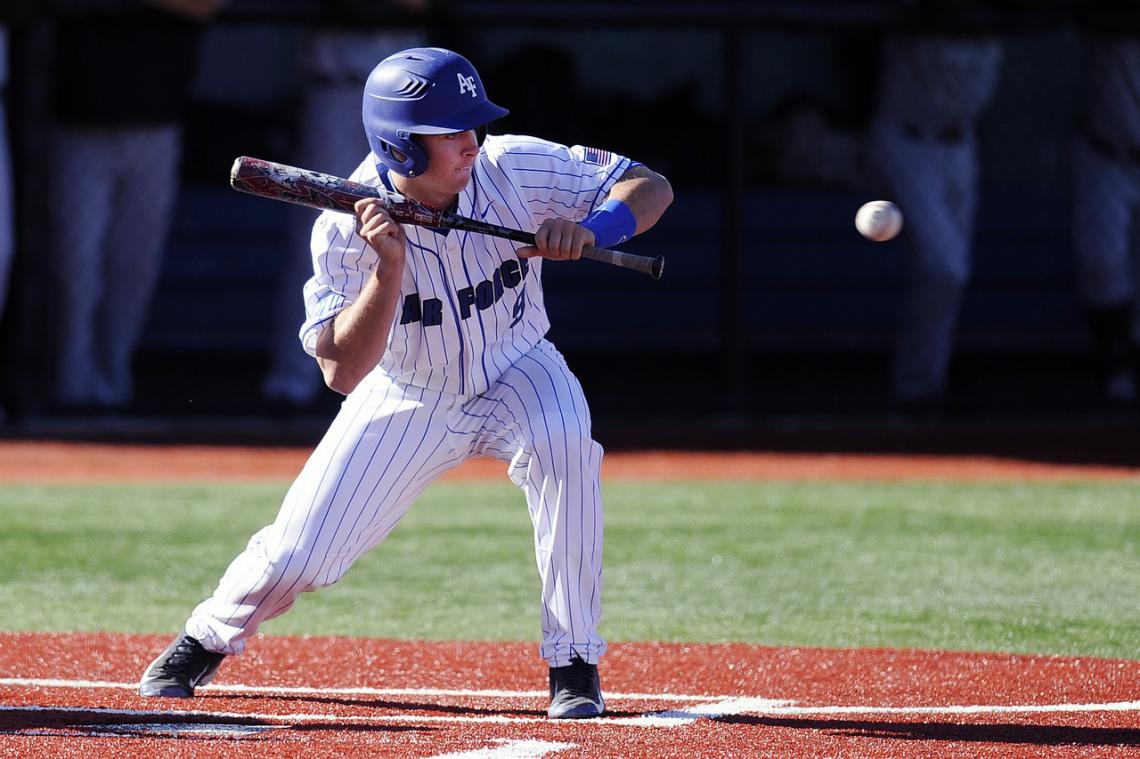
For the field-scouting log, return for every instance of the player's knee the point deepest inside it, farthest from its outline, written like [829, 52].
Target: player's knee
[295, 568]
[565, 439]
[1102, 284]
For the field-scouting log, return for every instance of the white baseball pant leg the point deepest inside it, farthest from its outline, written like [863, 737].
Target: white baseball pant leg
[386, 445]
[1106, 198]
[7, 209]
[7, 214]
[936, 186]
[111, 210]
[82, 186]
[537, 419]
[143, 209]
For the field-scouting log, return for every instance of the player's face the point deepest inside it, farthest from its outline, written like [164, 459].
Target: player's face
[450, 160]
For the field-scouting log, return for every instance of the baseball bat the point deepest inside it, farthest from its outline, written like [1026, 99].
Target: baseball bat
[291, 184]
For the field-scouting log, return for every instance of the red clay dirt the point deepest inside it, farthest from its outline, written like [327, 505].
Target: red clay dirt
[49, 461]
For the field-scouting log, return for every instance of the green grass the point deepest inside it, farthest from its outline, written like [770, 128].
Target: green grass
[1013, 567]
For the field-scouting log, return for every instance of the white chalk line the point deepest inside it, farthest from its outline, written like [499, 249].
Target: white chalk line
[510, 748]
[359, 691]
[709, 707]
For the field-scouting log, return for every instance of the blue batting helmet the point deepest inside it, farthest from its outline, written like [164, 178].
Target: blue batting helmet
[423, 90]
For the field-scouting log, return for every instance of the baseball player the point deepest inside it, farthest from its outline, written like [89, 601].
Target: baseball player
[1106, 200]
[923, 144]
[7, 217]
[116, 149]
[437, 339]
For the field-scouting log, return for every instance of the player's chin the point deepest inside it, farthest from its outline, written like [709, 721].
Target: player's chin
[456, 187]
[461, 177]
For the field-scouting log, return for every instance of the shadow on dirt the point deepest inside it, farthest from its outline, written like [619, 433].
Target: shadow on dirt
[1036, 735]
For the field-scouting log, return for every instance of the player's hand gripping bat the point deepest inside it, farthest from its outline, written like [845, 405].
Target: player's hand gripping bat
[325, 191]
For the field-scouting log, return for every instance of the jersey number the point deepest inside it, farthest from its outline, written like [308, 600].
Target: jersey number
[519, 309]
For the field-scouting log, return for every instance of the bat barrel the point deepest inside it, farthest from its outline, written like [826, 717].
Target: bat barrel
[291, 184]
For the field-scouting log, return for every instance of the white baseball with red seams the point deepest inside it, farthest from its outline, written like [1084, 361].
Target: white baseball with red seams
[879, 220]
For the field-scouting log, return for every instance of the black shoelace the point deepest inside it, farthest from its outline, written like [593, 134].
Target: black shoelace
[580, 679]
[187, 656]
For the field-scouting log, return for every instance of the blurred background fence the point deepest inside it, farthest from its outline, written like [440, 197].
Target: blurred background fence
[757, 112]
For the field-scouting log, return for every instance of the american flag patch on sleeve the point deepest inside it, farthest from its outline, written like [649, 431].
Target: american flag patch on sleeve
[599, 157]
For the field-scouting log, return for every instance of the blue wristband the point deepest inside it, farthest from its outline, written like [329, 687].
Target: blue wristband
[612, 223]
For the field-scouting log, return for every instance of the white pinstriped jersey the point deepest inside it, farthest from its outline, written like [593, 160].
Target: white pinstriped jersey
[469, 307]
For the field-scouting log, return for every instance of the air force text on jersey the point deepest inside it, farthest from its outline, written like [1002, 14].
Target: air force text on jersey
[483, 295]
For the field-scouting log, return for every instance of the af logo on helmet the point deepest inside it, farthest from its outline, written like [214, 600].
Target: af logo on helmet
[466, 84]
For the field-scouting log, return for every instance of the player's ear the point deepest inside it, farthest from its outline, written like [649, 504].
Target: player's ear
[398, 154]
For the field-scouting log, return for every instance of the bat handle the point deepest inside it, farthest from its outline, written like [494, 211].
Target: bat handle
[654, 266]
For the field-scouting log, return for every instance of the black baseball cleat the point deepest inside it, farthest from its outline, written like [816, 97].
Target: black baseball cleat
[575, 691]
[178, 670]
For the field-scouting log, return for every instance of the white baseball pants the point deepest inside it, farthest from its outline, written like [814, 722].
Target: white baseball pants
[386, 445]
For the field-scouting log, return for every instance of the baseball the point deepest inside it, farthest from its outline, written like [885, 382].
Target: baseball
[879, 220]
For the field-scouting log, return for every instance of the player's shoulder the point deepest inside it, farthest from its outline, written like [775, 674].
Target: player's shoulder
[521, 152]
[515, 149]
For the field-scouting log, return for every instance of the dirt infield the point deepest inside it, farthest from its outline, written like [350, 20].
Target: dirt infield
[48, 461]
[74, 695]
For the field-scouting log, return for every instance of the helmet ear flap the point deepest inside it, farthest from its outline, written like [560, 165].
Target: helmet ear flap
[409, 159]
[417, 156]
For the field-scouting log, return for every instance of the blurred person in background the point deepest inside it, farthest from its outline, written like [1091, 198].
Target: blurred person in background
[7, 218]
[1106, 202]
[340, 52]
[122, 77]
[934, 86]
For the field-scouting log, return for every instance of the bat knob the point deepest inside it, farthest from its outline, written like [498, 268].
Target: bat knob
[244, 167]
[658, 267]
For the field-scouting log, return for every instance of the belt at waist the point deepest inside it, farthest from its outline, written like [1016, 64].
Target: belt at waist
[946, 134]
[1112, 150]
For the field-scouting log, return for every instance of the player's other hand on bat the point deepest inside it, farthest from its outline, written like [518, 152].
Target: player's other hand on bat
[380, 231]
[559, 239]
